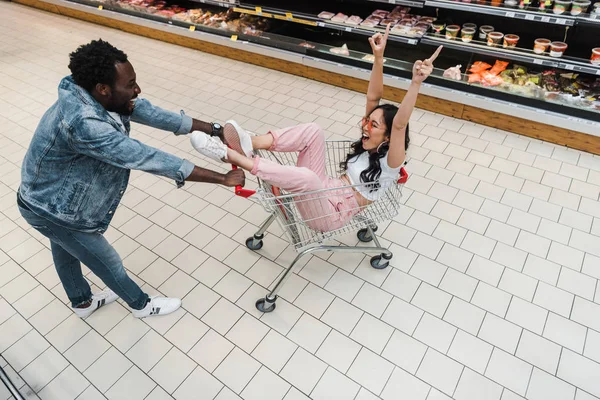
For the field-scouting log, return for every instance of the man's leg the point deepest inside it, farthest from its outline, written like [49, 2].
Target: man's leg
[69, 271]
[103, 260]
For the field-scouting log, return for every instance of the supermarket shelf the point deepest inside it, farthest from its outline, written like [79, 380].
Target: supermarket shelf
[593, 19]
[313, 20]
[504, 12]
[224, 3]
[566, 63]
[408, 3]
[578, 133]
[368, 32]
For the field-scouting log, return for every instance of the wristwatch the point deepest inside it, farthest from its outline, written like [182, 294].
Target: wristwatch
[217, 129]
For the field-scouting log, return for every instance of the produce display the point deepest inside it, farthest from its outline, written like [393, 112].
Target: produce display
[551, 84]
[402, 23]
[344, 34]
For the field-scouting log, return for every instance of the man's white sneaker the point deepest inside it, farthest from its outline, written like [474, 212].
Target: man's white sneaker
[98, 300]
[158, 306]
[208, 146]
[237, 138]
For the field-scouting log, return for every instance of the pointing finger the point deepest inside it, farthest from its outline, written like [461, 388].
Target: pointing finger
[435, 55]
[387, 31]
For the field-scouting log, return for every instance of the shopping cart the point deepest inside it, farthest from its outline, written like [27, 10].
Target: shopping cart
[305, 216]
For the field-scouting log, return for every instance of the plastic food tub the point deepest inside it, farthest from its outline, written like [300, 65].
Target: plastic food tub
[510, 40]
[452, 31]
[595, 59]
[494, 38]
[540, 46]
[484, 30]
[580, 6]
[561, 6]
[557, 49]
[467, 34]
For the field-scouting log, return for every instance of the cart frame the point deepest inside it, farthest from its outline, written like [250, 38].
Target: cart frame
[289, 209]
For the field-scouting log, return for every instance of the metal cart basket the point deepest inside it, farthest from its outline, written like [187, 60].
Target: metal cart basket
[308, 220]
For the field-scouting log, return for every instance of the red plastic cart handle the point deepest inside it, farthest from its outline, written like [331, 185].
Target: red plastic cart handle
[240, 191]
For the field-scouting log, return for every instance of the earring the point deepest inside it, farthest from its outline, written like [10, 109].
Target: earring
[381, 144]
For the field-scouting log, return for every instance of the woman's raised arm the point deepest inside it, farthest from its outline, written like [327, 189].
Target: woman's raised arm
[375, 91]
[421, 70]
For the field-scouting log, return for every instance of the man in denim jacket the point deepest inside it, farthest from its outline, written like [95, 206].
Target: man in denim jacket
[77, 168]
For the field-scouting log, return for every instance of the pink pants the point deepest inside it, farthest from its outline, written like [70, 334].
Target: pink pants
[324, 211]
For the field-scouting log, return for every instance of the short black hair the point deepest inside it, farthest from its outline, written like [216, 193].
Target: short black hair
[94, 63]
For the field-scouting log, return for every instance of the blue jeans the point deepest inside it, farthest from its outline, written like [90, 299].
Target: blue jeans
[70, 248]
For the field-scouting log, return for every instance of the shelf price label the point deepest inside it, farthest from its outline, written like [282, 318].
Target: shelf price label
[320, 24]
[348, 29]
[100, 7]
[392, 1]
[289, 16]
[259, 10]
[233, 38]
[510, 14]
[545, 19]
[529, 17]
[561, 21]
[192, 28]
[537, 61]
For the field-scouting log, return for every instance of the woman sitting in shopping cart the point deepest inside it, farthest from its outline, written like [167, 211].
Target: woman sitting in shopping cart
[372, 165]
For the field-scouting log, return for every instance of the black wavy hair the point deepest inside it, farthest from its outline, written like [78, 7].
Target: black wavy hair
[94, 63]
[373, 172]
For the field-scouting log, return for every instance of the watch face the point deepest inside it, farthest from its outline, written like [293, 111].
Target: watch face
[217, 125]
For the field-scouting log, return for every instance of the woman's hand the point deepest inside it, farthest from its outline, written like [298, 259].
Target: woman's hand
[422, 69]
[378, 42]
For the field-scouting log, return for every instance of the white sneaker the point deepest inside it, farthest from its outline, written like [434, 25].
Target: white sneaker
[98, 300]
[209, 146]
[158, 306]
[238, 139]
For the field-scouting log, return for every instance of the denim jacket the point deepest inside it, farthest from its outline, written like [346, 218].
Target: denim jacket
[77, 167]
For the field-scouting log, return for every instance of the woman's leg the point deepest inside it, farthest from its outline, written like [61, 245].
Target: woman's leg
[307, 139]
[290, 178]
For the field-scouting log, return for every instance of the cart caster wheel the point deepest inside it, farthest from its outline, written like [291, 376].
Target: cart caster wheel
[378, 262]
[363, 235]
[265, 306]
[252, 245]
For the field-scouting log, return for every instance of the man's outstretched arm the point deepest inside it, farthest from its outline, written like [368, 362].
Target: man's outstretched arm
[147, 114]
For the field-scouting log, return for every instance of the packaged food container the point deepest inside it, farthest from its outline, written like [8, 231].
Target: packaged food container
[510, 40]
[484, 30]
[595, 59]
[596, 8]
[561, 6]
[511, 3]
[494, 38]
[469, 25]
[545, 4]
[438, 27]
[540, 46]
[452, 31]
[580, 6]
[467, 34]
[557, 49]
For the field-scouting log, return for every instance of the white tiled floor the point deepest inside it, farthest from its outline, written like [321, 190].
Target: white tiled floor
[492, 294]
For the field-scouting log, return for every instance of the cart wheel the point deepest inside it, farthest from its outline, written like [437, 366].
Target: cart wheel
[254, 245]
[378, 262]
[363, 235]
[264, 306]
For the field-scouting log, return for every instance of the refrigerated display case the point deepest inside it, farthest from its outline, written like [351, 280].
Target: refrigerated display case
[517, 75]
